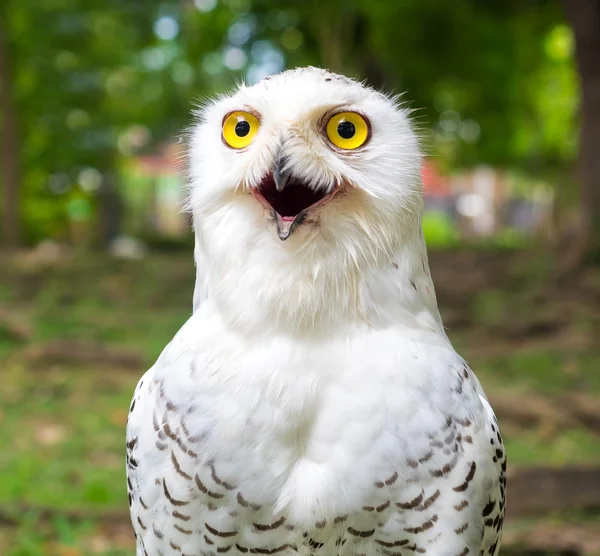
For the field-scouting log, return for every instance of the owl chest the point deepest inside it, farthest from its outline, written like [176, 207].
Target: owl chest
[314, 436]
[310, 448]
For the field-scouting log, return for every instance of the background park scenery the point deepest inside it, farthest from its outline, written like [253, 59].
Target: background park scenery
[96, 262]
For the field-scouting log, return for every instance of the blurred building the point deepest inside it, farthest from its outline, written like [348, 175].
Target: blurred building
[154, 193]
[437, 189]
[482, 201]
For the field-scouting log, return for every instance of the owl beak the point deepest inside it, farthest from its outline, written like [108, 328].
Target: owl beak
[287, 197]
[281, 175]
[286, 226]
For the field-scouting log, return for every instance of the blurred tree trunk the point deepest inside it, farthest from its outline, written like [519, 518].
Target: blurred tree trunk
[342, 34]
[332, 30]
[9, 147]
[110, 210]
[584, 16]
[369, 66]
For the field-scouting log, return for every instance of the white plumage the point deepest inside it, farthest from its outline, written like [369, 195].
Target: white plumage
[312, 404]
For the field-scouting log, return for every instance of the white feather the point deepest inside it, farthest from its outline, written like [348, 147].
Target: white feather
[314, 379]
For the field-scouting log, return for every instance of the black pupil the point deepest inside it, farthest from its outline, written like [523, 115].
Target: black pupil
[242, 128]
[346, 130]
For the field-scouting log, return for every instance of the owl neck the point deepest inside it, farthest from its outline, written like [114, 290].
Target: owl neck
[257, 292]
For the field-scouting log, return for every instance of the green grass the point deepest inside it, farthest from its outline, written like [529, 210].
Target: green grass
[62, 426]
[439, 230]
[575, 446]
[66, 430]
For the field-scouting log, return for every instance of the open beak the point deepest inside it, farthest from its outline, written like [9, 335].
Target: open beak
[289, 198]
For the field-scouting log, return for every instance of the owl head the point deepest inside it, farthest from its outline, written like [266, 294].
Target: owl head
[300, 185]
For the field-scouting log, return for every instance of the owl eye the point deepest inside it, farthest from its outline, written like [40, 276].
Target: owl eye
[239, 129]
[347, 130]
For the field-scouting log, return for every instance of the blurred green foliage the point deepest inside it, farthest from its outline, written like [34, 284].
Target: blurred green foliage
[99, 80]
[439, 230]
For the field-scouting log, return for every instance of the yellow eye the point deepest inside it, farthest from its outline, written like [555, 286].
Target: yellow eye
[239, 129]
[347, 130]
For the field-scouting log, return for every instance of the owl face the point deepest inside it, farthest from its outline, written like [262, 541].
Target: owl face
[305, 154]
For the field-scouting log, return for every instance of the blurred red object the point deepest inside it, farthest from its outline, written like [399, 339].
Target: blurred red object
[434, 183]
[167, 160]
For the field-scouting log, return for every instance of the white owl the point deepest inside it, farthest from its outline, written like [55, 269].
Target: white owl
[312, 404]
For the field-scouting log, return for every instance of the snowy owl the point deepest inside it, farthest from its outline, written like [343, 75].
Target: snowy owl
[312, 404]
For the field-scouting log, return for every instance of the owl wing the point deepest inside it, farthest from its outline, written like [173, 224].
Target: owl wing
[145, 446]
[453, 490]
[480, 492]
[161, 467]
[493, 511]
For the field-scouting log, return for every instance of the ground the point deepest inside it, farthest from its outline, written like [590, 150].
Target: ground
[76, 334]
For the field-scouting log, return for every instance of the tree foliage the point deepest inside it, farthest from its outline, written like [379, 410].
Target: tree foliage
[96, 80]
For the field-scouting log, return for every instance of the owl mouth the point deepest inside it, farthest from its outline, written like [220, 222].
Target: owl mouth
[290, 203]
